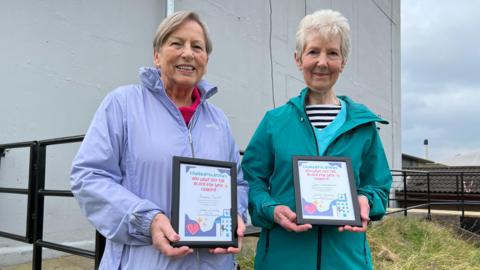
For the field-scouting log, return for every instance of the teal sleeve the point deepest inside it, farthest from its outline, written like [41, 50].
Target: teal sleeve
[257, 166]
[375, 177]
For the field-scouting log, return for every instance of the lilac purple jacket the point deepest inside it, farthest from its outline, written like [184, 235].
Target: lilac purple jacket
[122, 174]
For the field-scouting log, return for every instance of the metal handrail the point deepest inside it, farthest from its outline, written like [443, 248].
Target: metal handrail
[29, 191]
[41, 192]
[17, 145]
[66, 249]
[63, 140]
[432, 203]
[57, 193]
[23, 191]
[447, 173]
[407, 171]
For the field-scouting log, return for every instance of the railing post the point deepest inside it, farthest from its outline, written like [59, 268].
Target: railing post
[32, 176]
[405, 205]
[39, 208]
[429, 215]
[456, 190]
[463, 197]
[99, 248]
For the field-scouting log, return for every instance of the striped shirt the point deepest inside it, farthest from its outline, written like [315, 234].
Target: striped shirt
[321, 115]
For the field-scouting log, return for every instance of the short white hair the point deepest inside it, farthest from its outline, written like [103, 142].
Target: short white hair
[329, 24]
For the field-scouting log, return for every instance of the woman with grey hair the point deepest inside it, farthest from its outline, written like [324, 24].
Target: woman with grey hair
[315, 123]
[122, 174]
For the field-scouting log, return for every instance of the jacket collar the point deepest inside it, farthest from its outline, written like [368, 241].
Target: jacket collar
[150, 79]
[357, 113]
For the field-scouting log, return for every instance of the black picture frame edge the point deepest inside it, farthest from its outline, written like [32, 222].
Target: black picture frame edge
[176, 162]
[353, 190]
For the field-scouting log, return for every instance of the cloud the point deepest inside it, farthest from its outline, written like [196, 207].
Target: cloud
[440, 41]
[440, 81]
[447, 117]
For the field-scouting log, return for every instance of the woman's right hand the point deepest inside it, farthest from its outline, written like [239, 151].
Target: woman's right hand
[162, 234]
[287, 219]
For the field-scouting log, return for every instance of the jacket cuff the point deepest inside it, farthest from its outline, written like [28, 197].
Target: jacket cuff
[268, 209]
[377, 210]
[142, 222]
[368, 196]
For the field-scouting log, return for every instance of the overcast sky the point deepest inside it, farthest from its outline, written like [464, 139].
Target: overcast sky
[440, 77]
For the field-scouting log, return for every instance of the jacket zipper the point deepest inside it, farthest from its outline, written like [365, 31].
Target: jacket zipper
[319, 249]
[192, 122]
[197, 259]
[365, 248]
[267, 243]
[191, 142]
[313, 131]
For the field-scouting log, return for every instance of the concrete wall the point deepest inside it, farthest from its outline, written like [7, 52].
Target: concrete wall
[60, 58]
[252, 60]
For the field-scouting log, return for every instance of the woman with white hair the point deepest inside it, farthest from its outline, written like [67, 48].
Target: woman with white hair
[315, 123]
[122, 174]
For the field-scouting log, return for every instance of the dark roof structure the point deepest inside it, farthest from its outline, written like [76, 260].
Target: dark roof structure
[415, 158]
[444, 179]
[414, 161]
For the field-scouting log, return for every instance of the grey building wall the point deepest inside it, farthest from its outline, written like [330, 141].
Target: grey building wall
[60, 58]
[253, 64]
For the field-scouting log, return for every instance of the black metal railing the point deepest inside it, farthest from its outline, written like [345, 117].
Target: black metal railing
[38, 242]
[36, 194]
[424, 179]
[29, 191]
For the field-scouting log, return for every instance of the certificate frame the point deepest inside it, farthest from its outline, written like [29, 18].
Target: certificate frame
[325, 191]
[201, 209]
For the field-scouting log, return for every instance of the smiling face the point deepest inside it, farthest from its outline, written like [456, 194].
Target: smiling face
[182, 58]
[321, 62]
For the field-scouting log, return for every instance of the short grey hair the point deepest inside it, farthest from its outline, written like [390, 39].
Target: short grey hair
[328, 23]
[173, 22]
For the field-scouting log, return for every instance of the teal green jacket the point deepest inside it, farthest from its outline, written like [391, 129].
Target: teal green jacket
[267, 166]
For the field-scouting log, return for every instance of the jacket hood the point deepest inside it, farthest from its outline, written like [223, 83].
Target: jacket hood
[150, 79]
[356, 113]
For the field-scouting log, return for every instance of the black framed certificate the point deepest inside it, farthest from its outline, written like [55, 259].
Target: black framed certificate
[325, 191]
[204, 202]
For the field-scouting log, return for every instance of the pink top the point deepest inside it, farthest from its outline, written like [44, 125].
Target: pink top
[187, 112]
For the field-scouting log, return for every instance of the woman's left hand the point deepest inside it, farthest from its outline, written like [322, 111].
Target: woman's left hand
[233, 250]
[364, 215]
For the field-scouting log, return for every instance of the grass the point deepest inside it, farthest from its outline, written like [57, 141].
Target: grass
[408, 244]
[247, 254]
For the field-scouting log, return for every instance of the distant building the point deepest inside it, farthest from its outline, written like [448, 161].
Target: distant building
[444, 182]
[413, 161]
[465, 159]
